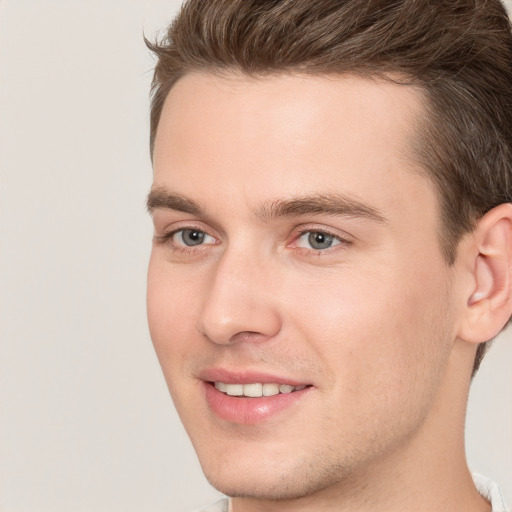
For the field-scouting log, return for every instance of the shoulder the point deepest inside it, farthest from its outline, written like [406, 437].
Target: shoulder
[220, 506]
[491, 492]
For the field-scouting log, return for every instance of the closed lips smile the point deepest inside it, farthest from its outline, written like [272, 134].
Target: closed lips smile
[256, 389]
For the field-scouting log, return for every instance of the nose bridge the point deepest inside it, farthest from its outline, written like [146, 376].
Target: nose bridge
[239, 300]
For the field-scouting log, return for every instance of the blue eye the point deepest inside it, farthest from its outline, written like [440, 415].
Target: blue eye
[317, 240]
[192, 237]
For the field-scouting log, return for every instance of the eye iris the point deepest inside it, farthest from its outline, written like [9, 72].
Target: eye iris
[192, 237]
[319, 240]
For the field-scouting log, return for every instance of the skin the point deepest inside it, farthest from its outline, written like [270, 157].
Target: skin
[374, 323]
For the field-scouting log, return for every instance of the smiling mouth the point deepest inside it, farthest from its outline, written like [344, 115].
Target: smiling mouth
[256, 390]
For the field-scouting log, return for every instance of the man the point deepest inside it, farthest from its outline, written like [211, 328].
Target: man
[333, 244]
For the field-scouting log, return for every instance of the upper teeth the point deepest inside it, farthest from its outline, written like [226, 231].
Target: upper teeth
[256, 389]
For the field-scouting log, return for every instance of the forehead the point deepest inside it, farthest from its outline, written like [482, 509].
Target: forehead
[261, 138]
[290, 107]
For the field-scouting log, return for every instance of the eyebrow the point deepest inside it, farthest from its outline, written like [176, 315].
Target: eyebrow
[161, 198]
[316, 204]
[320, 204]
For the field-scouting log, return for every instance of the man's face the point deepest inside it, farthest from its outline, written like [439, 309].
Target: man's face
[296, 245]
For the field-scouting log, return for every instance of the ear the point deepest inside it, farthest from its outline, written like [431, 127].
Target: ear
[489, 257]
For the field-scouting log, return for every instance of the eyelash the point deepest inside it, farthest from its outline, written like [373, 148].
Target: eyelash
[340, 245]
[166, 239]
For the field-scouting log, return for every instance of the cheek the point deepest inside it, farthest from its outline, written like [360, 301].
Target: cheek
[377, 328]
[382, 351]
[169, 309]
[170, 320]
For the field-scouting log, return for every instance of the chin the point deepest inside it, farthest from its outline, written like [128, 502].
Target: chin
[251, 486]
[271, 480]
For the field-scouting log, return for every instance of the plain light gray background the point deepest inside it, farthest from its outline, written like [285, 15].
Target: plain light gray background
[86, 423]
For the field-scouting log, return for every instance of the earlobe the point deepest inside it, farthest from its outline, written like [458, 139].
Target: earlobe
[489, 304]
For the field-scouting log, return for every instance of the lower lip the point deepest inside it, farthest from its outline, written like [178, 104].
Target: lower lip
[250, 410]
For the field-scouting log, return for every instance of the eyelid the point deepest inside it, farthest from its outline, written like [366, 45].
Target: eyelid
[302, 238]
[205, 237]
[164, 220]
[344, 238]
[171, 230]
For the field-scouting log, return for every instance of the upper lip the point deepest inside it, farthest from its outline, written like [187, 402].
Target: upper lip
[247, 377]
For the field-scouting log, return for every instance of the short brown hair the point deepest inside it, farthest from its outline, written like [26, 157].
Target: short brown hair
[458, 52]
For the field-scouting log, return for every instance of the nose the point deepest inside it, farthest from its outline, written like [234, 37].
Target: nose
[240, 303]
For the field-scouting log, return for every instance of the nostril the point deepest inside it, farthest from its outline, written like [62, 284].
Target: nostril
[247, 336]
